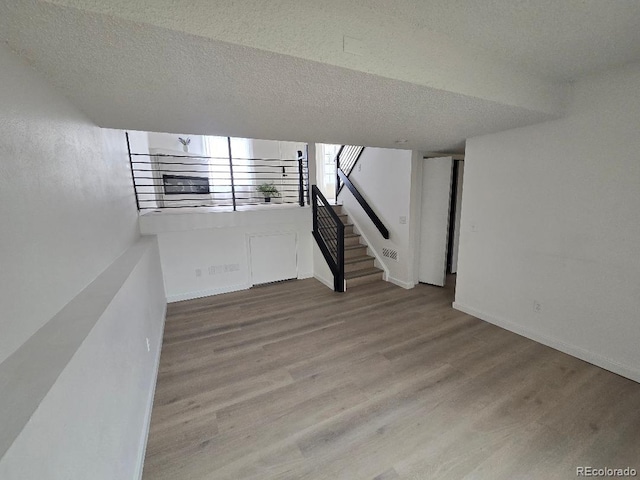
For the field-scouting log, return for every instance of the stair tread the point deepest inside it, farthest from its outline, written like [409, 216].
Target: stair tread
[362, 273]
[351, 235]
[361, 258]
[353, 247]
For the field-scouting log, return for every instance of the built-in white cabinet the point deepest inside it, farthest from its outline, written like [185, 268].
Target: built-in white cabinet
[273, 257]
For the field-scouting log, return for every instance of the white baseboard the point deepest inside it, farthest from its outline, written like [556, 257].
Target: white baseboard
[324, 281]
[304, 275]
[207, 293]
[400, 283]
[573, 350]
[152, 392]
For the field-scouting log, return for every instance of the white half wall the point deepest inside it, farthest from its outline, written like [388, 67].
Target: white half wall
[384, 178]
[80, 390]
[207, 253]
[550, 240]
[80, 292]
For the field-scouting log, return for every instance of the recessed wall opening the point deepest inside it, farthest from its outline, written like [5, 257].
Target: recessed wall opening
[177, 171]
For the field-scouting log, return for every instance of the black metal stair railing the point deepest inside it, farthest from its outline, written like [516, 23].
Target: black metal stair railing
[328, 231]
[365, 205]
[346, 159]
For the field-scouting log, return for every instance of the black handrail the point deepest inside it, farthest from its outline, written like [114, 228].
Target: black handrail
[328, 231]
[346, 159]
[363, 203]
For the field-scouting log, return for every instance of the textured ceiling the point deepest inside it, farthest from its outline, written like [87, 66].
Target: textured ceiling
[561, 39]
[314, 30]
[432, 72]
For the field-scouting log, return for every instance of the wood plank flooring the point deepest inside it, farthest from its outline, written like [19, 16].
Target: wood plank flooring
[294, 381]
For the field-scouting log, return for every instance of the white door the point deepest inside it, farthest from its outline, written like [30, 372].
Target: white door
[434, 225]
[458, 206]
[273, 257]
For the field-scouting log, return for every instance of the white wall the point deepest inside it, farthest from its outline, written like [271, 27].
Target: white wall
[68, 212]
[139, 143]
[65, 198]
[169, 141]
[198, 241]
[384, 178]
[551, 213]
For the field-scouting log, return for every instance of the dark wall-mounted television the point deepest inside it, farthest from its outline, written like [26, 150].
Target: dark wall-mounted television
[185, 185]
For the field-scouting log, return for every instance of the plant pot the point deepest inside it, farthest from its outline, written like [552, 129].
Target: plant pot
[185, 148]
[267, 199]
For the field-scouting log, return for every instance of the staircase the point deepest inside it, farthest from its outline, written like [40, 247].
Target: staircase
[342, 248]
[359, 267]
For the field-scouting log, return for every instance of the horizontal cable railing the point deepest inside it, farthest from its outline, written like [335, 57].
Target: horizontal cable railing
[164, 181]
[328, 231]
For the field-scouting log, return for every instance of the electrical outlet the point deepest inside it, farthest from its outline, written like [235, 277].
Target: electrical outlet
[474, 227]
[403, 220]
[359, 167]
[148, 345]
[537, 306]
[198, 272]
[229, 267]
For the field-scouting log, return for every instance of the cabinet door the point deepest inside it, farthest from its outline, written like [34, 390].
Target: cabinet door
[273, 257]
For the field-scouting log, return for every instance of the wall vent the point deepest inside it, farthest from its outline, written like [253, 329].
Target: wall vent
[390, 253]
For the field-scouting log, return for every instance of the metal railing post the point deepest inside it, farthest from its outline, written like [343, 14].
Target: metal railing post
[300, 179]
[233, 186]
[339, 277]
[309, 181]
[314, 202]
[133, 175]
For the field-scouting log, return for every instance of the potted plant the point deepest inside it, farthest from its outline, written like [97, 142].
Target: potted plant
[268, 190]
[185, 143]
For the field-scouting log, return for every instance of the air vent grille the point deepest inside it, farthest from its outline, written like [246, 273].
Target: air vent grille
[390, 253]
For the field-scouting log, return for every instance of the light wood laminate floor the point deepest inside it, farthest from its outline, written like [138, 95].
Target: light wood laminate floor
[293, 381]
